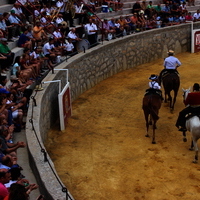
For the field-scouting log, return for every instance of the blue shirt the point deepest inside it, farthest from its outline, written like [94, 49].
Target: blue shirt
[171, 62]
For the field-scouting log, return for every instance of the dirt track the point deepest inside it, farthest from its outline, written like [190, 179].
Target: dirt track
[104, 155]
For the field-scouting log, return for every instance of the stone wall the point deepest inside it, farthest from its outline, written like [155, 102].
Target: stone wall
[85, 71]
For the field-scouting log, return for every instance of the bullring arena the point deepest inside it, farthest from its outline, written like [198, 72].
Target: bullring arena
[103, 153]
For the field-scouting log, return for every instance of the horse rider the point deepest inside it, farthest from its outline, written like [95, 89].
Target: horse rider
[170, 64]
[154, 86]
[193, 107]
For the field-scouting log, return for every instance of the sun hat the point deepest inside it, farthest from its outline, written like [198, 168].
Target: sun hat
[153, 77]
[170, 51]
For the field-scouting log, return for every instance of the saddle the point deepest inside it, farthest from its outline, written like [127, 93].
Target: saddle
[168, 72]
[193, 112]
[153, 91]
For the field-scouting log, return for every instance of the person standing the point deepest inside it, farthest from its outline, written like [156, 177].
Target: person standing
[91, 29]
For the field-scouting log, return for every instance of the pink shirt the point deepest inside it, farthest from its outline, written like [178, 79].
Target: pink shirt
[3, 191]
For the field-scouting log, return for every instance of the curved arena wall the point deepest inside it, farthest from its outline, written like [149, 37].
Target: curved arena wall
[85, 71]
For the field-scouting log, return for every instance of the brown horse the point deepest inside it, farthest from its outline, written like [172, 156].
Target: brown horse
[171, 82]
[151, 105]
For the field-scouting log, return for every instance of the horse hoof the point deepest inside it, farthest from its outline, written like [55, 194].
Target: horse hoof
[147, 135]
[184, 139]
[191, 149]
[153, 142]
[194, 161]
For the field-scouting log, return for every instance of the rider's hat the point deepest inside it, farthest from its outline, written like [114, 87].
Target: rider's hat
[171, 52]
[153, 77]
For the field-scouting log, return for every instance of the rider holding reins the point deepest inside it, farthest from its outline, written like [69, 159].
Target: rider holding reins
[170, 64]
[193, 107]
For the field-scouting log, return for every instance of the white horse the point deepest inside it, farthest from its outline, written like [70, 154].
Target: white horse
[193, 126]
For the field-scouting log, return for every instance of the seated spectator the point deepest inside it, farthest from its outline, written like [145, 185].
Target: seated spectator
[136, 7]
[182, 18]
[176, 20]
[5, 177]
[135, 21]
[18, 191]
[166, 11]
[107, 29]
[125, 25]
[27, 67]
[5, 51]
[14, 20]
[158, 8]
[24, 41]
[10, 28]
[189, 17]
[165, 21]
[51, 52]
[196, 16]
[119, 29]
[80, 13]
[19, 13]
[17, 113]
[150, 10]
[142, 20]
[183, 8]
[30, 36]
[3, 29]
[9, 148]
[46, 22]
[69, 47]
[58, 37]
[72, 35]
[39, 33]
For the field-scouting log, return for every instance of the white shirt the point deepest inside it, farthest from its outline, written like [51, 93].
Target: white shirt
[71, 35]
[171, 62]
[90, 27]
[18, 11]
[154, 85]
[47, 47]
[60, 4]
[57, 34]
[69, 47]
[59, 20]
[196, 15]
[22, 1]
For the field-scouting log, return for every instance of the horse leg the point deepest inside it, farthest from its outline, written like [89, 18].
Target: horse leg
[184, 136]
[150, 120]
[147, 125]
[165, 97]
[170, 100]
[154, 128]
[192, 146]
[174, 100]
[196, 150]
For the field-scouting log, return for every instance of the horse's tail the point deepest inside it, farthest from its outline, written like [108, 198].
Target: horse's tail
[153, 110]
[154, 114]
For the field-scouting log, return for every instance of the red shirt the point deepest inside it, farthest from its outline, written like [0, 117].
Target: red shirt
[193, 99]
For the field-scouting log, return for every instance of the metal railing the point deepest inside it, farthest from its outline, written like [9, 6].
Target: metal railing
[43, 151]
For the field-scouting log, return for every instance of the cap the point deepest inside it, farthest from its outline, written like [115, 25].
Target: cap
[4, 91]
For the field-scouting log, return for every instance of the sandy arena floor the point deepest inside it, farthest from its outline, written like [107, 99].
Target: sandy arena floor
[104, 154]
